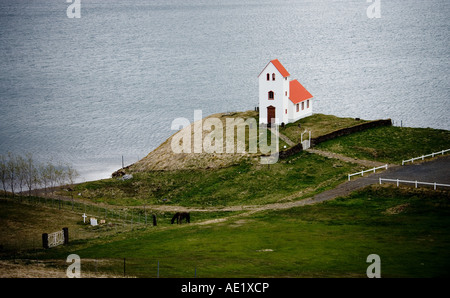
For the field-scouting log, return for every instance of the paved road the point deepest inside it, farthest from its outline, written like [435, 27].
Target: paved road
[437, 170]
[432, 171]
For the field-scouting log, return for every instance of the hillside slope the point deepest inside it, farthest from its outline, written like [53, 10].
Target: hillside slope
[164, 158]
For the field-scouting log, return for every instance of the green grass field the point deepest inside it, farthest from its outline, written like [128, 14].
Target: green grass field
[407, 228]
[240, 184]
[318, 124]
[389, 143]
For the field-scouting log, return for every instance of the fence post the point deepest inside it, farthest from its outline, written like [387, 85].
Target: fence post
[397, 182]
[45, 240]
[66, 235]
[434, 185]
[348, 177]
[380, 180]
[157, 273]
[416, 183]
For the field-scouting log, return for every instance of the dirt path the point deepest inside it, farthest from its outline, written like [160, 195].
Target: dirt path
[367, 163]
[436, 170]
[283, 137]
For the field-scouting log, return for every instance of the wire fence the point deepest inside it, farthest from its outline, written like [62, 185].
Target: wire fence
[110, 221]
[136, 216]
[112, 267]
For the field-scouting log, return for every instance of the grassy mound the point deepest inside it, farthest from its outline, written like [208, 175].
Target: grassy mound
[240, 184]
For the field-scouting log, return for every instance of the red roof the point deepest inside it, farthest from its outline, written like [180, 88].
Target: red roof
[297, 92]
[280, 68]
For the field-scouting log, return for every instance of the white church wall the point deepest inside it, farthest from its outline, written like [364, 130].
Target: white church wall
[279, 87]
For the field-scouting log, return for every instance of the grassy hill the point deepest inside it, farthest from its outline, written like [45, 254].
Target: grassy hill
[241, 184]
[164, 159]
[408, 228]
[212, 179]
[220, 180]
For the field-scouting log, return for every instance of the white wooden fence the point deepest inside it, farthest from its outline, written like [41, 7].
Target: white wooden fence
[416, 183]
[366, 171]
[423, 156]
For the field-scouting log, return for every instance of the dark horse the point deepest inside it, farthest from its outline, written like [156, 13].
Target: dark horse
[179, 216]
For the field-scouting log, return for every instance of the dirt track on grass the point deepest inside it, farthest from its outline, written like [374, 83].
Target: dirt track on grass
[432, 170]
[436, 170]
[366, 163]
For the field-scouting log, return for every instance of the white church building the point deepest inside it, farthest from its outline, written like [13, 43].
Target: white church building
[281, 100]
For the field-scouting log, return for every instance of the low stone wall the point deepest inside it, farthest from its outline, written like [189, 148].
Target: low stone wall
[291, 151]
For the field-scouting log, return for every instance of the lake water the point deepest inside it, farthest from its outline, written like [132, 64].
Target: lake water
[88, 91]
